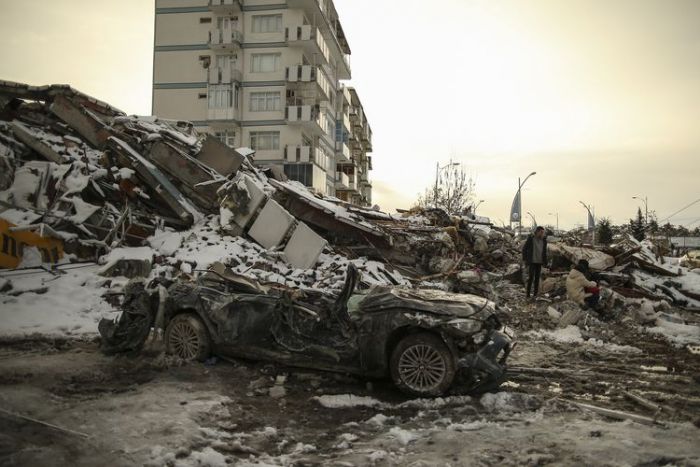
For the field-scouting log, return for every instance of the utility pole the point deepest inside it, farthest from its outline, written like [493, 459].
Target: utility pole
[590, 213]
[520, 201]
[646, 207]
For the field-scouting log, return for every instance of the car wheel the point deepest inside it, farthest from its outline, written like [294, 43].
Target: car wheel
[187, 338]
[422, 365]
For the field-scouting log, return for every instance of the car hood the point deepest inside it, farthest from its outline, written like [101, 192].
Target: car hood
[429, 301]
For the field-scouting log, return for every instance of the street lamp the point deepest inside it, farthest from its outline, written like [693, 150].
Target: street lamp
[591, 217]
[437, 176]
[477, 205]
[520, 201]
[646, 208]
[555, 214]
[534, 221]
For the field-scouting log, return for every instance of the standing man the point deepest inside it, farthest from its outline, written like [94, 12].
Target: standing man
[534, 256]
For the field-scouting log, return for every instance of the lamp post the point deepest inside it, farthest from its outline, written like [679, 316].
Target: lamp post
[555, 214]
[520, 200]
[534, 221]
[477, 205]
[646, 208]
[590, 214]
[437, 176]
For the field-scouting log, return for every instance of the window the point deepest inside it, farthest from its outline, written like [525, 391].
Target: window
[264, 140]
[202, 95]
[267, 23]
[227, 137]
[225, 61]
[265, 63]
[300, 172]
[265, 101]
[220, 96]
[205, 60]
[205, 20]
[225, 22]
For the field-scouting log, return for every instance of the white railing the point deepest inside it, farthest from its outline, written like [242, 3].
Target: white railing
[343, 149]
[225, 36]
[224, 75]
[308, 34]
[222, 113]
[342, 180]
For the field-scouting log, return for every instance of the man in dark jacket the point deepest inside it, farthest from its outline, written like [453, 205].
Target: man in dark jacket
[534, 256]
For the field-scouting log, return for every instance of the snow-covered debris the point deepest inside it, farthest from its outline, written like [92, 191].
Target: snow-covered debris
[572, 335]
[346, 400]
[69, 304]
[404, 436]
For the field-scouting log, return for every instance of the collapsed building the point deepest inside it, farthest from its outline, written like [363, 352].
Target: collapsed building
[82, 181]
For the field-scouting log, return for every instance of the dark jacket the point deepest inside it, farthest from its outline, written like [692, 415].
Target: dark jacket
[528, 250]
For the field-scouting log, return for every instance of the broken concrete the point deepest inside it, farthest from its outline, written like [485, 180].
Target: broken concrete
[304, 247]
[272, 225]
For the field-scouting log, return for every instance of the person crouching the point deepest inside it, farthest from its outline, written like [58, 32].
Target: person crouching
[579, 288]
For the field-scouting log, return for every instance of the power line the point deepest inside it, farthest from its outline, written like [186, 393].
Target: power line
[680, 210]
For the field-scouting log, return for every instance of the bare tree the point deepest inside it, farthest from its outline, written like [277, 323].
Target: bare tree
[454, 191]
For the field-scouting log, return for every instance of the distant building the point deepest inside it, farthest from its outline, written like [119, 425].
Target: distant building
[684, 244]
[267, 74]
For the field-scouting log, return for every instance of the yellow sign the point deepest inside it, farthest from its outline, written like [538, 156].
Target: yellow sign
[12, 246]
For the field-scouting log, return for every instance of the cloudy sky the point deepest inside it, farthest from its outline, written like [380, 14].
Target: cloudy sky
[601, 98]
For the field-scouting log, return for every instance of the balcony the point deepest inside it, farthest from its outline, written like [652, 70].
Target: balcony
[223, 114]
[364, 179]
[225, 6]
[221, 39]
[342, 152]
[309, 38]
[329, 24]
[309, 74]
[342, 181]
[305, 154]
[224, 75]
[366, 138]
[307, 116]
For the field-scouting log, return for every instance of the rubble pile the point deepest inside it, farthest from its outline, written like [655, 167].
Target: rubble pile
[142, 196]
[85, 181]
[631, 269]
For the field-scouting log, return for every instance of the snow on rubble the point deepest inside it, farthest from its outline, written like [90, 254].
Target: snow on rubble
[67, 304]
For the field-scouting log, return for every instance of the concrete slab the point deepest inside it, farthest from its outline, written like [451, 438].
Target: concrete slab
[219, 157]
[271, 225]
[304, 247]
[257, 198]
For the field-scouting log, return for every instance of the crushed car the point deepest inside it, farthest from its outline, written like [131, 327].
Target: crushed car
[427, 341]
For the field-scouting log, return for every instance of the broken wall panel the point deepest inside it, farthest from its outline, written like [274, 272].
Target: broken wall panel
[256, 197]
[26, 136]
[329, 217]
[197, 180]
[304, 247]
[156, 180]
[272, 225]
[218, 156]
[84, 122]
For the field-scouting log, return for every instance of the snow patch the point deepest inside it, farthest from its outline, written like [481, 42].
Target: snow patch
[346, 400]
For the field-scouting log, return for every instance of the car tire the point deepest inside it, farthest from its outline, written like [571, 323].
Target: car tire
[187, 338]
[422, 365]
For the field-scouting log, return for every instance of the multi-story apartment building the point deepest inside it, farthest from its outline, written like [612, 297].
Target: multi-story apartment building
[267, 74]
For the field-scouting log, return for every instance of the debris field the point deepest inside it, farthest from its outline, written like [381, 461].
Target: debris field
[92, 200]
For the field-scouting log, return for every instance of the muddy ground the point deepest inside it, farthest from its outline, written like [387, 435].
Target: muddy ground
[155, 410]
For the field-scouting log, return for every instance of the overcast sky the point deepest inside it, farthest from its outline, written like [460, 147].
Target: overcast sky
[600, 97]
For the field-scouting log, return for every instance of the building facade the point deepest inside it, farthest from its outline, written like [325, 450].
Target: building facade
[267, 74]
